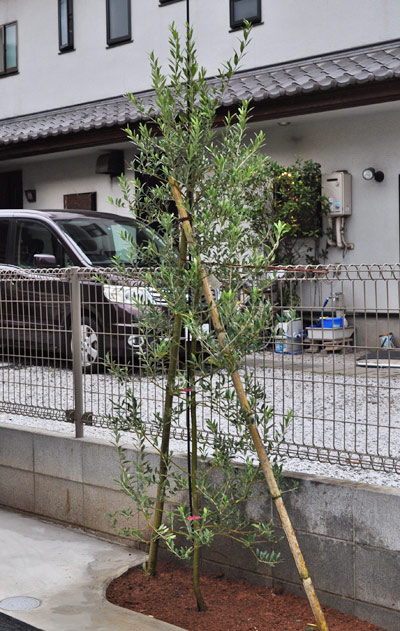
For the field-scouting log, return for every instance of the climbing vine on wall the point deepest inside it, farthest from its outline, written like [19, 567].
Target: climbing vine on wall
[294, 196]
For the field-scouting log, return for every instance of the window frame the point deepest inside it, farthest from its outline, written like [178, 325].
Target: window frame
[70, 27]
[3, 49]
[124, 39]
[238, 24]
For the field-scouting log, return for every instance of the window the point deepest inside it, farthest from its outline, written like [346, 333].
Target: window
[33, 238]
[65, 25]
[80, 201]
[118, 21]
[240, 10]
[100, 240]
[8, 48]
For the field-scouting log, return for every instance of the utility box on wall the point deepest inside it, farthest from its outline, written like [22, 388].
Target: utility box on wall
[337, 187]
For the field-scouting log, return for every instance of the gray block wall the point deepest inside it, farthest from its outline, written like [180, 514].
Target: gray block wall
[350, 539]
[348, 532]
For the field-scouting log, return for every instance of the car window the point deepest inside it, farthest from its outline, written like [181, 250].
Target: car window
[33, 237]
[4, 236]
[101, 240]
[65, 259]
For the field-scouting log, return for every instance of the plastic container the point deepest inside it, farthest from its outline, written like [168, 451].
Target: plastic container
[317, 334]
[386, 340]
[291, 328]
[287, 345]
[332, 323]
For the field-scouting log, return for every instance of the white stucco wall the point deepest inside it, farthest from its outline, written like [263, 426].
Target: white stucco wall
[353, 140]
[348, 139]
[68, 173]
[290, 29]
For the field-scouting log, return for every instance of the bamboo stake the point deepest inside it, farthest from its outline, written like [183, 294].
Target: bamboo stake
[262, 454]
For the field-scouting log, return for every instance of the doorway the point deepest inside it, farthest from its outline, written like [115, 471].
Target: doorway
[11, 193]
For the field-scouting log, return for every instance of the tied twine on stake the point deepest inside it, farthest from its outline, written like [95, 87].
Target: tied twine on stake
[255, 435]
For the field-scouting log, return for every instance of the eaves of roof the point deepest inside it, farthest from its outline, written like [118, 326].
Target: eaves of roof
[341, 79]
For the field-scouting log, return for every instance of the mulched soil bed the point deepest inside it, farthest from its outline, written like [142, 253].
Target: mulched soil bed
[232, 605]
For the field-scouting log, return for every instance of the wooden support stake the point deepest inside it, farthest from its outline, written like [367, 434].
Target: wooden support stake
[255, 435]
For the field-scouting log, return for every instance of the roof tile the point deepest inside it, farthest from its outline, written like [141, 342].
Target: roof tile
[371, 63]
[363, 76]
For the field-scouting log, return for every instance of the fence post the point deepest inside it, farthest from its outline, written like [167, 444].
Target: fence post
[76, 335]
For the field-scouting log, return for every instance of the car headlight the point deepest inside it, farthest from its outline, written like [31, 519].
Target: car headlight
[128, 295]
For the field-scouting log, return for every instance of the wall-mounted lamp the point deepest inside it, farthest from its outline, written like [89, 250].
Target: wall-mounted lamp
[284, 123]
[30, 195]
[371, 174]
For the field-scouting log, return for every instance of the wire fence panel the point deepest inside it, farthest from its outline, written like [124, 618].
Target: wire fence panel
[340, 376]
[33, 343]
[329, 358]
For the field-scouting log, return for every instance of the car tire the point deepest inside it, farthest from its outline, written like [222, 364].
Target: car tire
[92, 347]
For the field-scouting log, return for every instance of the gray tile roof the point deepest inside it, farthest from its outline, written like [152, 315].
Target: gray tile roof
[373, 63]
[107, 113]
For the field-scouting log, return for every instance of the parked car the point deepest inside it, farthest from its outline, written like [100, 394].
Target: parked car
[35, 304]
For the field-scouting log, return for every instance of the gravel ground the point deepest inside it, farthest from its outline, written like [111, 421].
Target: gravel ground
[346, 413]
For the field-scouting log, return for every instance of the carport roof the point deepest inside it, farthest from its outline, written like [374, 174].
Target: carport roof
[270, 87]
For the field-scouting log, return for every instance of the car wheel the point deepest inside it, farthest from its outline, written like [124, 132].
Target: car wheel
[91, 347]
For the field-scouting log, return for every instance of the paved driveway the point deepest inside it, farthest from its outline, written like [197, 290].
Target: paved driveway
[67, 571]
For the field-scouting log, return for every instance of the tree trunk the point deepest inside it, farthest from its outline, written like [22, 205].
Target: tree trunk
[201, 605]
[166, 425]
[261, 453]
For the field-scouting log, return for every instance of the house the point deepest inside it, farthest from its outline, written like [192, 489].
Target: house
[324, 77]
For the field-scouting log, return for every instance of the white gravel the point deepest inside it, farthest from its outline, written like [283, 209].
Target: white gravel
[350, 414]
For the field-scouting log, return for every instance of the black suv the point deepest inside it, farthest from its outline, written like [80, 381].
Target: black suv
[35, 303]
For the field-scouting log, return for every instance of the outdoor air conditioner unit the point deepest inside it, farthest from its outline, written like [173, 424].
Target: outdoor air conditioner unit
[111, 163]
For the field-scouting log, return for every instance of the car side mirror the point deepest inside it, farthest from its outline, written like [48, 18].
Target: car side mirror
[44, 260]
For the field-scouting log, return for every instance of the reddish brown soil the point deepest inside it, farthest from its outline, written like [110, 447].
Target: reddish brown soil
[232, 605]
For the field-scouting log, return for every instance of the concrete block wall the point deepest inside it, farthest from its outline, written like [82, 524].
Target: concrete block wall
[349, 536]
[348, 532]
[60, 477]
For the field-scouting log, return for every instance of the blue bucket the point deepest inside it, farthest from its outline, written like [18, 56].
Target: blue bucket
[332, 323]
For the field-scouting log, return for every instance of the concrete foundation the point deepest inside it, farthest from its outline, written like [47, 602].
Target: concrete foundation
[348, 532]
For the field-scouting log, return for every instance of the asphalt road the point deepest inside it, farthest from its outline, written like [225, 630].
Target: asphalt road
[11, 624]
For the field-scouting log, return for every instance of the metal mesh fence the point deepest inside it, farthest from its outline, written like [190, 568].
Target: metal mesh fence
[329, 358]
